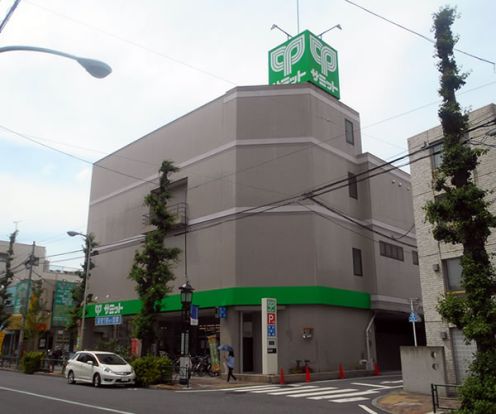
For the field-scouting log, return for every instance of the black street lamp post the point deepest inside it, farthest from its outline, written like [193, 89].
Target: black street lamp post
[185, 361]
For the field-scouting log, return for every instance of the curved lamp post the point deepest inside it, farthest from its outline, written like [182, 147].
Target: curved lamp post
[86, 273]
[95, 68]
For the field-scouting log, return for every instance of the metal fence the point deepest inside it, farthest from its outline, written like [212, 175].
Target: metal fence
[47, 364]
[444, 397]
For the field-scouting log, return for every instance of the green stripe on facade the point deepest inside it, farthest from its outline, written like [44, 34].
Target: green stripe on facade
[285, 295]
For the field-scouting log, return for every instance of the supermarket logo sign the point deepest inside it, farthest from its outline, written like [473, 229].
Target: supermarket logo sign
[305, 58]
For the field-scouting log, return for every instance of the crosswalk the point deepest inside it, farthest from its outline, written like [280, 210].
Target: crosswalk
[354, 392]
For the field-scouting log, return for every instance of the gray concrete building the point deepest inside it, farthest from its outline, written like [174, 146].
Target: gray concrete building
[342, 266]
[440, 269]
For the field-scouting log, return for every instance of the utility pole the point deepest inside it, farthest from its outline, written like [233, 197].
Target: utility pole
[31, 261]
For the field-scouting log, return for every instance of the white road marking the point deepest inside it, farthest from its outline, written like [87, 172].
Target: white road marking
[326, 391]
[294, 391]
[47, 397]
[392, 382]
[345, 400]
[345, 395]
[364, 407]
[262, 391]
[371, 385]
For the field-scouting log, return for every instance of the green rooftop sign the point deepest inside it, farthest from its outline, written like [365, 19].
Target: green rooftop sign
[305, 58]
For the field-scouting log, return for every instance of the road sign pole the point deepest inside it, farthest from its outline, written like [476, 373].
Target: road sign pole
[413, 322]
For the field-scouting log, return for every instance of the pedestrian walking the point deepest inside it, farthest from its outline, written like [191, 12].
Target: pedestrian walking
[230, 366]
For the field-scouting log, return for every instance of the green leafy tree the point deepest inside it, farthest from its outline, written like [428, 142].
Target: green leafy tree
[5, 281]
[462, 217]
[152, 268]
[37, 315]
[78, 291]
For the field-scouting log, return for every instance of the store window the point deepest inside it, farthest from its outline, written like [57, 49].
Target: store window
[452, 269]
[392, 251]
[357, 262]
[350, 136]
[352, 186]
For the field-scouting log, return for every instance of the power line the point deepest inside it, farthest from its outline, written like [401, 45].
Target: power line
[418, 34]
[135, 44]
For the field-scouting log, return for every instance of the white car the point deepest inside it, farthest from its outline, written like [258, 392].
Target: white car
[99, 368]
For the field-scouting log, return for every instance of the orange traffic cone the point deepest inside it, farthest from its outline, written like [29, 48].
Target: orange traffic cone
[377, 370]
[341, 372]
[281, 377]
[307, 374]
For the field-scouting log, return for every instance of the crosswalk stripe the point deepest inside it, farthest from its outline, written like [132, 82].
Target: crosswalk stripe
[321, 391]
[249, 389]
[345, 395]
[370, 385]
[266, 390]
[365, 408]
[353, 399]
[294, 391]
[392, 382]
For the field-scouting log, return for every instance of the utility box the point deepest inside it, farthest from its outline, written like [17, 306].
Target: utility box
[422, 366]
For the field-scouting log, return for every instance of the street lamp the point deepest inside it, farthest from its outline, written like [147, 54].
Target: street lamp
[337, 26]
[86, 274]
[184, 363]
[94, 67]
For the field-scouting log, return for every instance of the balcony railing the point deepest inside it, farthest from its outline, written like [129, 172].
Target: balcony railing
[179, 211]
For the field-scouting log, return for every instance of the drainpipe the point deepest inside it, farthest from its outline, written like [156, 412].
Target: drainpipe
[370, 362]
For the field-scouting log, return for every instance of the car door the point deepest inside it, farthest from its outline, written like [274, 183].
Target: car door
[78, 365]
[85, 367]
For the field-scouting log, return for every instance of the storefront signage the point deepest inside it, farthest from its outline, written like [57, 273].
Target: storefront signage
[108, 320]
[305, 58]
[62, 303]
[269, 336]
[104, 309]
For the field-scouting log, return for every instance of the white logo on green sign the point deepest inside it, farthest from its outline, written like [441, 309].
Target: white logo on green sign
[305, 58]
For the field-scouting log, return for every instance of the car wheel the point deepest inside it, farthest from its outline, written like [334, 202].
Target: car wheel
[97, 381]
[70, 378]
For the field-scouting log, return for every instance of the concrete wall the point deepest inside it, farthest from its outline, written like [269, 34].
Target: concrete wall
[422, 366]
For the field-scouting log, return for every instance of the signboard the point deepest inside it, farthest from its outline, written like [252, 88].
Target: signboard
[193, 315]
[413, 317]
[305, 58]
[214, 353]
[108, 309]
[222, 312]
[108, 320]
[269, 336]
[62, 303]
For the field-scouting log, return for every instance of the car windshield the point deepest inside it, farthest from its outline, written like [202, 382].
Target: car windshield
[110, 359]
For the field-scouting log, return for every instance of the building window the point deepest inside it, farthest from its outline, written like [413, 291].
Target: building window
[392, 251]
[437, 155]
[452, 269]
[357, 262]
[352, 186]
[348, 128]
[3, 257]
[414, 257]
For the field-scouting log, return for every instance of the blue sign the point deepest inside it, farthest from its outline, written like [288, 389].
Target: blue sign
[271, 330]
[222, 311]
[414, 317]
[193, 315]
[108, 320]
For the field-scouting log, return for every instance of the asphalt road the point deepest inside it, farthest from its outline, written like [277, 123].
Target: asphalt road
[38, 394]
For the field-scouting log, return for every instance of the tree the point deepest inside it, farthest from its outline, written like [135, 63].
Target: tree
[79, 289]
[37, 315]
[461, 216]
[152, 268]
[5, 282]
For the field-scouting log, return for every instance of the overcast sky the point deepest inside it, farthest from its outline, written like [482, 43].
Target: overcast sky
[169, 57]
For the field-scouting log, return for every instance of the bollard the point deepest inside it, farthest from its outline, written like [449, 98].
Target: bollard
[341, 372]
[281, 377]
[377, 370]
[307, 374]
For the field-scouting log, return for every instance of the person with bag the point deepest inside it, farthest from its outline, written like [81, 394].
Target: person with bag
[230, 360]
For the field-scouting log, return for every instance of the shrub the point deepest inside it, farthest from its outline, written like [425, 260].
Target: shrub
[152, 370]
[31, 362]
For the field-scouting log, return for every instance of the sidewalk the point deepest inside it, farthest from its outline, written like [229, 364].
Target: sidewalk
[401, 402]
